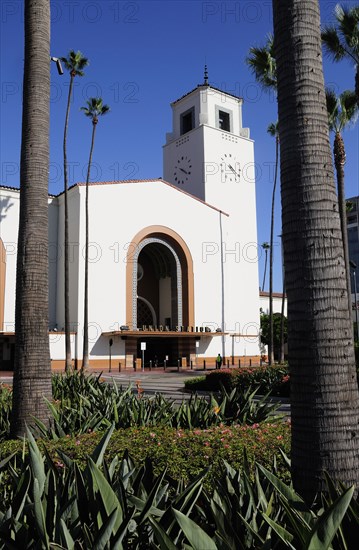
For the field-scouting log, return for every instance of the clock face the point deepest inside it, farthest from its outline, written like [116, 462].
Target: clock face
[182, 169]
[230, 168]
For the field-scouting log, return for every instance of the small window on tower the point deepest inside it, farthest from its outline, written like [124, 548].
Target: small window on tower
[187, 121]
[224, 121]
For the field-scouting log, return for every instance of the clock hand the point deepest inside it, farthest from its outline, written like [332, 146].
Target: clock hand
[184, 171]
[233, 170]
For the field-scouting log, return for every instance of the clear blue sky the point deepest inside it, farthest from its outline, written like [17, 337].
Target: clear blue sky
[143, 55]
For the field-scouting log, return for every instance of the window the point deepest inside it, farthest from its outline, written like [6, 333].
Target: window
[224, 121]
[187, 121]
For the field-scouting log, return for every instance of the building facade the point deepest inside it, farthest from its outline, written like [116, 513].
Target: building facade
[173, 262]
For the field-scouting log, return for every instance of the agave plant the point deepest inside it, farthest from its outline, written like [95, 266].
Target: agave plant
[56, 505]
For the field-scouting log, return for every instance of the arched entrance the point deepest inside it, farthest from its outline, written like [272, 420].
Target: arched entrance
[157, 275]
[159, 258]
[159, 294]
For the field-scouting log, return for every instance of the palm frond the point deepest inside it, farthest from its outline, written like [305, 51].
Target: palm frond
[95, 108]
[348, 22]
[263, 65]
[273, 129]
[332, 108]
[332, 44]
[349, 108]
[75, 62]
[342, 109]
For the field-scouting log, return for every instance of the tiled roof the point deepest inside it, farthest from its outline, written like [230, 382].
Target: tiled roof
[18, 189]
[274, 294]
[154, 180]
[9, 188]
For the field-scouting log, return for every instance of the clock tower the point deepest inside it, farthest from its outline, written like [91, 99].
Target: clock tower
[208, 153]
[211, 156]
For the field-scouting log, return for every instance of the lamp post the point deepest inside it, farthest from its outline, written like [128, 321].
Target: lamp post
[353, 265]
[110, 342]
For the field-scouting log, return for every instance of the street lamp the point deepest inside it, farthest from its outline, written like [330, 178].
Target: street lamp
[353, 265]
[58, 65]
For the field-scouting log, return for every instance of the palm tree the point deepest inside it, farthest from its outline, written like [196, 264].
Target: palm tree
[281, 338]
[324, 391]
[342, 111]
[32, 371]
[265, 247]
[94, 109]
[75, 62]
[272, 131]
[262, 62]
[342, 40]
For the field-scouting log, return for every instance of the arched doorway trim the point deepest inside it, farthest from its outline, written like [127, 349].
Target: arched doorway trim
[145, 242]
[151, 308]
[186, 260]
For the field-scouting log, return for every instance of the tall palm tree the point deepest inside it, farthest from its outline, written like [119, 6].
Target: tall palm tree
[262, 63]
[75, 62]
[94, 109]
[32, 371]
[265, 247]
[272, 131]
[342, 111]
[324, 391]
[281, 337]
[341, 41]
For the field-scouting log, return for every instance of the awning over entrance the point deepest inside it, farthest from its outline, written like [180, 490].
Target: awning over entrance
[163, 334]
[162, 347]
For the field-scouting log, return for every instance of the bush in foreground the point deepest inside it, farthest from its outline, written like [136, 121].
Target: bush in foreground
[184, 453]
[272, 379]
[82, 403]
[119, 504]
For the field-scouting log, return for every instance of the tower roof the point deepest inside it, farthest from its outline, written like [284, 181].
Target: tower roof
[207, 86]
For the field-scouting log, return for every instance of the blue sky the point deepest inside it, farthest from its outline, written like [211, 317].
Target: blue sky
[143, 55]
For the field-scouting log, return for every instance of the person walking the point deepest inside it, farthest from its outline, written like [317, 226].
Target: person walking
[218, 361]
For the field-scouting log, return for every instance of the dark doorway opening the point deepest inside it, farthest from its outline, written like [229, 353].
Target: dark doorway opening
[159, 350]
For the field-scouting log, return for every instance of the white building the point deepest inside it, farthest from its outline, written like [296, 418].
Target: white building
[277, 299]
[173, 261]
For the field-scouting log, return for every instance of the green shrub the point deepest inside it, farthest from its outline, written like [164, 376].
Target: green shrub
[5, 409]
[273, 380]
[183, 452]
[213, 381]
[122, 504]
[82, 403]
[195, 383]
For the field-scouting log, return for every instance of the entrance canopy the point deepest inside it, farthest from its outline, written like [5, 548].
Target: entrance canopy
[163, 334]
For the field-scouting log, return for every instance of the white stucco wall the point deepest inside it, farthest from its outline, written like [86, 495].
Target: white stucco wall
[9, 219]
[199, 227]
[277, 303]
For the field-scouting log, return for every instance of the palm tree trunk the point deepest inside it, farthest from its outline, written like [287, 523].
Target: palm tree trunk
[281, 358]
[85, 354]
[271, 255]
[339, 160]
[68, 361]
[32, 372]
[324, 391]
[265, 268]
